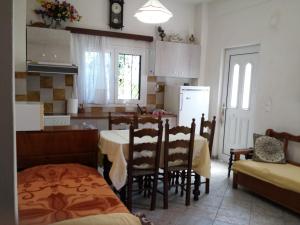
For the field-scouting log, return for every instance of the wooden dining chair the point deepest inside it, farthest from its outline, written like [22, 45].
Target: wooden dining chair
[114, 122]
[146, 121]
[144, 166]
[178, 162]
[207, 130]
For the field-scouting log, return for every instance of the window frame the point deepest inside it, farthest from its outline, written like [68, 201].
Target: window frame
[143, 75]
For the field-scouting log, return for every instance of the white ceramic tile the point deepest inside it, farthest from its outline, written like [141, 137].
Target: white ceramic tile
[68, 92]
[59, 107]
[20, 86]
[46, 95]
[33, 83]
[151, 88]
[59, 81]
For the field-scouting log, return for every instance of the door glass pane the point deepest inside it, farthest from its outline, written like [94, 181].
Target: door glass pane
[235, 86]
[247, 86]
[129, 75]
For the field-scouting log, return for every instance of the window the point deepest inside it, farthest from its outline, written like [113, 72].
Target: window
[129, 77]
[111, 71]
[247, 86]
[235, 86]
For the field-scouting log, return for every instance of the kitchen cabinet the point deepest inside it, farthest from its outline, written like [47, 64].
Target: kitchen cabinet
[179, 60]
[29, 116]
[48, 45]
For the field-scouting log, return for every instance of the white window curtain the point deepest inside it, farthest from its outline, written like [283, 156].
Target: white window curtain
[93, 81]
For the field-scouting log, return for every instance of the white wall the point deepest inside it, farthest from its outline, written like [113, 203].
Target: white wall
[8, 206]
[20, 37]
[95, 14]
[275, 25]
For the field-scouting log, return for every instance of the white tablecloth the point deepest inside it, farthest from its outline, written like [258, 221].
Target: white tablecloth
[115, 144]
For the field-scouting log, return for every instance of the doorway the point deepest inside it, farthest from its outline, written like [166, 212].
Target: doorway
[238, 98]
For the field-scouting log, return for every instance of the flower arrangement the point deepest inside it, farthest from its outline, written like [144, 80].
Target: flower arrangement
[57, 11]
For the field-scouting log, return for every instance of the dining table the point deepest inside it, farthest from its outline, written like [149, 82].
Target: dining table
[114, 145]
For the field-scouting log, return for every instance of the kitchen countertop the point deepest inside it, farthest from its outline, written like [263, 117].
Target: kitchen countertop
[68, 128]
[103, 115]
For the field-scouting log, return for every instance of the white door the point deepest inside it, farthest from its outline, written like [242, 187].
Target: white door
[239, 100]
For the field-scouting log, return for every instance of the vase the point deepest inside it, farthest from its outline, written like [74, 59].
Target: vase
[53, 23]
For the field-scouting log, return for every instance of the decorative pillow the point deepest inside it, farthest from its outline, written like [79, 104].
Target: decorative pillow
[269, 149]
[255, 137]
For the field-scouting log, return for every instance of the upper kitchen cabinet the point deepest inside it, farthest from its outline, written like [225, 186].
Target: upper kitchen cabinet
[177, 59]
[48, 45]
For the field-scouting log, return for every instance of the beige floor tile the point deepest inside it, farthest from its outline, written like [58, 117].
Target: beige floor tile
[223, 206]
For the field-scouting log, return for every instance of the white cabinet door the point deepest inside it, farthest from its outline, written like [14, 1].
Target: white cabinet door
[166, 59]
[194, 67]
[48, 45]
[183, 60]
[177, 60]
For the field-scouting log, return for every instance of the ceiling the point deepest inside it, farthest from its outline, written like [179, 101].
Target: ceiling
[193, 1]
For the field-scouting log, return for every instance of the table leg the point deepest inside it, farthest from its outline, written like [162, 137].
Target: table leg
[196, 191]
[106, 169]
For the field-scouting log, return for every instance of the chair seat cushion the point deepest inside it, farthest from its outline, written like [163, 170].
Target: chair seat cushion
[285, 176]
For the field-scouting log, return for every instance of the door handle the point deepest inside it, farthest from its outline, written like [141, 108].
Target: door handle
[223, 111]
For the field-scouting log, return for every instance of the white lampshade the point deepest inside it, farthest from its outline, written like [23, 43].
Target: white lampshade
[153, 12]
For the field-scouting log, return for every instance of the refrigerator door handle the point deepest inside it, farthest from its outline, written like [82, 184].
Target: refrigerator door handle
[181, 101]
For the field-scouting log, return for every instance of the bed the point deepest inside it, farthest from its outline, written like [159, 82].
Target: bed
[58, 180]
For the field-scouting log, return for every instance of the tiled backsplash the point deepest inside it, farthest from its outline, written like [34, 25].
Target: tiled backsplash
[54, 90]
[155, 93]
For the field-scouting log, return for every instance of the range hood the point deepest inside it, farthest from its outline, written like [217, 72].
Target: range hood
[51, 68]
[49, 51]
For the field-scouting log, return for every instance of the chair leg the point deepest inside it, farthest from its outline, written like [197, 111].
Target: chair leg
[129, 195]
[166, 181]
[207, 185]
[188, 189]
[140, 182]
[154, 190]
[182, 182]
[230, 164]
[145, 186]
[176, 182]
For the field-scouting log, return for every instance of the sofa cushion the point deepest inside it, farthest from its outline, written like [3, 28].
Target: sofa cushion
[285, 176]
[269, 149]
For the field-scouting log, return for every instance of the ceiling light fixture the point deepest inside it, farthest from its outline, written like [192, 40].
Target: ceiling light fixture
[153, 12]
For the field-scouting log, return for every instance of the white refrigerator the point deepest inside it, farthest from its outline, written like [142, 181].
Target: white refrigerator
[187, 102]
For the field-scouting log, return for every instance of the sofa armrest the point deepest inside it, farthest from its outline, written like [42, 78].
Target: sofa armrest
[248, 153]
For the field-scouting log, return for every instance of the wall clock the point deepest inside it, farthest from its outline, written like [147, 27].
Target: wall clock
[116, 14]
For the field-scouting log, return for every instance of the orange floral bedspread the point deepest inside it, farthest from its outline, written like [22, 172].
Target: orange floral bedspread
[53, 193]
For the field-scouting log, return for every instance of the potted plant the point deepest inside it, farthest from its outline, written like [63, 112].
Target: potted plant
[54, 12]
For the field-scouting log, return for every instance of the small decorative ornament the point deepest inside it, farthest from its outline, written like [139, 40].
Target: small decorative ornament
[192, 39]
[55, 12]
[161, 33]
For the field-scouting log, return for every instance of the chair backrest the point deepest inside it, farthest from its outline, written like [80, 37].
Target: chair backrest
[146, 121]
[116, 121]
[151, 149]
[207, 130]
[179, 148]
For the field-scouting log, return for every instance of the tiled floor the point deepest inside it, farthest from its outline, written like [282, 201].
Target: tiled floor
[223, 206]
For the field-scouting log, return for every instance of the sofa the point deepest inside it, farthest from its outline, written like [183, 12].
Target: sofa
[279, 183]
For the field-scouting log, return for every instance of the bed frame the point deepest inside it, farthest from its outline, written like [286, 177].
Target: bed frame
[284, 197]
[71, 144]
